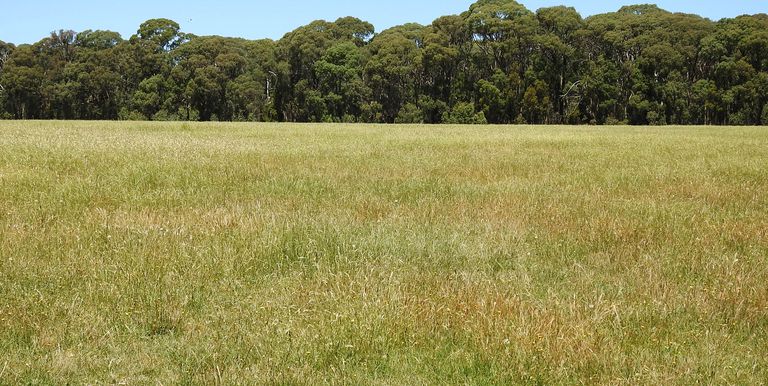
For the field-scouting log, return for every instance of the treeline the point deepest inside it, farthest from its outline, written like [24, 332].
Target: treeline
[498, 62]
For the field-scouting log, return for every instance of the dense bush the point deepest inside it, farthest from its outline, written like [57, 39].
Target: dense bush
[498, 62]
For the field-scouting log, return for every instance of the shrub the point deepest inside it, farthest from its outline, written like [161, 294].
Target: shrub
[410, 113]
[612, 121]
[371, 112]
[765, 115]
[656, 119]
[464, 113]
[130, 115]
[164, 115]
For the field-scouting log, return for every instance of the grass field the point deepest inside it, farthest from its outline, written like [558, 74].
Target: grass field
[164, 253]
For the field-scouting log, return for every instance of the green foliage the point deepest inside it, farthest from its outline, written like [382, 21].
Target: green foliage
[339, 75]
[149, 97]
[464, 113]
[395, 61]
[164, 115]
[98, 40]
[131, 115]
[491, 101]
[612, 121]
[372, 112]
[656, 119]
[640, 65]
[536, 104]
[410, 113]
[432, 109]
[163, 33]
[765, 115]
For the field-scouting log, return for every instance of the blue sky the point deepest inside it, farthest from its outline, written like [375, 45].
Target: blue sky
[26, 21]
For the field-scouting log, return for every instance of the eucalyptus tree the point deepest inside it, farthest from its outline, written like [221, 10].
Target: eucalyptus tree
[23, 80]
[497, 62]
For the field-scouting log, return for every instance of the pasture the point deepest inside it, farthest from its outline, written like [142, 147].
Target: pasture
[221, 253]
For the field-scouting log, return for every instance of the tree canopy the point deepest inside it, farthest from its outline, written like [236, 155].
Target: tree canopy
[498, 62]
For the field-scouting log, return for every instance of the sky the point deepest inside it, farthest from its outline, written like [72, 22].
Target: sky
[25, 21]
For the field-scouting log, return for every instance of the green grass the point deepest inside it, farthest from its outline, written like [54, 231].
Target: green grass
[262, 253]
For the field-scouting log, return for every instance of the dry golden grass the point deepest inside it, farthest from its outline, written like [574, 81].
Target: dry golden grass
[263, 253]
